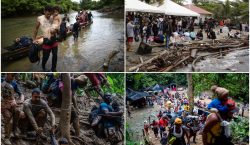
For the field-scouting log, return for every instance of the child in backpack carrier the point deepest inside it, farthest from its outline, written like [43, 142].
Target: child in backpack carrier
[219, 102]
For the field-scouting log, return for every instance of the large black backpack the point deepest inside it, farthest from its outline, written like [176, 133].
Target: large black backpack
[34, 53]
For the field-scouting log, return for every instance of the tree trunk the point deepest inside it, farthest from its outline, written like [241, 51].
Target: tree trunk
[190, 92]
[66, 108]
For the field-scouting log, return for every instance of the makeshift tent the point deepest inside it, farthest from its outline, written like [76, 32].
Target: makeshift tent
[172, 8]
[135, 95]
[138, 6]
[157, 88]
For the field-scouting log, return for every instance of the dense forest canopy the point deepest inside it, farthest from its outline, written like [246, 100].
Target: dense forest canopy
[140, 80]
[27, 7]
[237, 84]
[89, 4]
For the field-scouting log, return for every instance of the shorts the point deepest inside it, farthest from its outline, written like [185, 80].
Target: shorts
[130, 39]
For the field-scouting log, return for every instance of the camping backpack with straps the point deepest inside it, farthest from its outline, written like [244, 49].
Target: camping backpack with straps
[34, 53]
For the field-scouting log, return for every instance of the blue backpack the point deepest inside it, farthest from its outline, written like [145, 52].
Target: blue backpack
[26, 41]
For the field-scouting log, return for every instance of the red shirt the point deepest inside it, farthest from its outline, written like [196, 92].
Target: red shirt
[221, 23]
[155, 124]
[163, 122]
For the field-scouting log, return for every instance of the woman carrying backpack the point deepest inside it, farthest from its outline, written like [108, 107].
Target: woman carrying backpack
[177, 133]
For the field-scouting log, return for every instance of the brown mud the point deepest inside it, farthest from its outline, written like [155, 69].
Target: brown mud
[87, 134]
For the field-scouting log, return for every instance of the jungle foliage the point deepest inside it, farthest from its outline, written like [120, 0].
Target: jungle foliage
[141, 81]
[237, 84]
[236, 10]
[93, 5]
[31, 7]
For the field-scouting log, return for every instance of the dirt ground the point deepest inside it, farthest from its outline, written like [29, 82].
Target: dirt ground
[133, 59]
[87, 134]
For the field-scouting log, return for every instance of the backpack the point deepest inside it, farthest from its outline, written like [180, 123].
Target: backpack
[25, 41]
[34, 53]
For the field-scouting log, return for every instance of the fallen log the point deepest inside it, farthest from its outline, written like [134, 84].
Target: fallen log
[194, 52]
[111, 55]
[141, 59]
[175, 65]
[148, 61]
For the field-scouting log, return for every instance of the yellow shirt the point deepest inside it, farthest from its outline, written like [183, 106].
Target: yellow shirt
[186, 108]
[216, 131]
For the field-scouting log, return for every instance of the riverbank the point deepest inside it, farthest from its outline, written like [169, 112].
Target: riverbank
[89, 53]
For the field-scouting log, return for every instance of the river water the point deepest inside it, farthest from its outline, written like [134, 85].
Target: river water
[94, 45]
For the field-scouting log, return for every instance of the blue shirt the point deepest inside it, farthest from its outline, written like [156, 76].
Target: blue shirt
[216, 103]
[14, 85]
[104, 106]
[107, 122]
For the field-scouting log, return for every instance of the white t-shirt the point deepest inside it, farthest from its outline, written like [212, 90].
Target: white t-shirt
[45, 25]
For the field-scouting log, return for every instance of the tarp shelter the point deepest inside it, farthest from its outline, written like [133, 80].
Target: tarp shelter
[135, 95]
[138, 6]
[174, 9]
[157, 88]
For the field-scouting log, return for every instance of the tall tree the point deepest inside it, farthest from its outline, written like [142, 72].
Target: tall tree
[227, 9]
[190, 92]
[66, 108]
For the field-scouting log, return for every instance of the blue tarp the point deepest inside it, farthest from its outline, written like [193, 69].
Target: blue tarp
[158, 87]
[135, 95]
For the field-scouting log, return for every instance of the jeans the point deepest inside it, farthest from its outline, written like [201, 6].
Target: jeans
[46, 54]
[167, 41]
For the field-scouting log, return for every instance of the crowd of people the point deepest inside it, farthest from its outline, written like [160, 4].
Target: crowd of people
[172, 29]
[26, 116]
[177, 123]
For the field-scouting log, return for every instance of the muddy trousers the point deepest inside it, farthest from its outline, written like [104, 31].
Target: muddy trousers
[74, 120]
[9, 114]
[46, 54]
[25, 125]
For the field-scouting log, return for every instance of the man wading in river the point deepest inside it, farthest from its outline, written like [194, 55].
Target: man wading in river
[44, 22]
